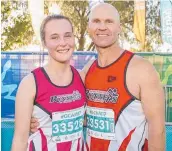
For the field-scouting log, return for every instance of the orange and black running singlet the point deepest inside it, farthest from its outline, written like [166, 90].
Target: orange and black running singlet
[115, 118]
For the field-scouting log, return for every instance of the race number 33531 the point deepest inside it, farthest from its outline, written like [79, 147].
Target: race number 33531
[101, 123]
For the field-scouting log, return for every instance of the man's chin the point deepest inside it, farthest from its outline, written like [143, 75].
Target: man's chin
[103, 46]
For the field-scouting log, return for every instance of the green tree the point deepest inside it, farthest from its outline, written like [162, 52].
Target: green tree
[19, 32]
[152, 29]
[78, 12]
[153, 25]
[16, 25]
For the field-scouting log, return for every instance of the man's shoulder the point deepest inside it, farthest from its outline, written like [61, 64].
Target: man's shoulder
[142, 68]
[140, 63]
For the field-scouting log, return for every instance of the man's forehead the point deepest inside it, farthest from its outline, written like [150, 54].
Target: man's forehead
[103, 10]
[102, 18]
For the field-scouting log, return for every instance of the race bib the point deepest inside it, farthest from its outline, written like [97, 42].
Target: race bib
[101, 123]
[67, 125]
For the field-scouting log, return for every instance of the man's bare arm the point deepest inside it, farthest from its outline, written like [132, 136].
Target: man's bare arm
[153, 102]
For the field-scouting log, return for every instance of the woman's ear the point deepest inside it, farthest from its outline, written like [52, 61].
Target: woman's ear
[43, 44]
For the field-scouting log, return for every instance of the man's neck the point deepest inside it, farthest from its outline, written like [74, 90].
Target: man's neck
[108, 55]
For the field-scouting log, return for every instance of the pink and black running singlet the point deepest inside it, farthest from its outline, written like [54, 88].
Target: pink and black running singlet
[60, 112]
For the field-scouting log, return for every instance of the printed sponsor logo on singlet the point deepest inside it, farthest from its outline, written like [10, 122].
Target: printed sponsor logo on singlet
[111, 78]
[66, 98]
[109, 96]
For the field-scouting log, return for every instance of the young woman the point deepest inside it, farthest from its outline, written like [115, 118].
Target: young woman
[54, 94]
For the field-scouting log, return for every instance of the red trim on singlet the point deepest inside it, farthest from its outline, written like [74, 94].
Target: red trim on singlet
[87, 146]
[145, 146]
[44, 141]
[83, 143]
[126, 141]
[31, 146]
[64, 146]
[78, 147]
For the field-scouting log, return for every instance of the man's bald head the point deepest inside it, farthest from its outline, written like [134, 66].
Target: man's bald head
[102, 8]
[104, 25]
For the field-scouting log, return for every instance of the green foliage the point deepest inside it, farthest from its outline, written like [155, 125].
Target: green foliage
[17, 28]
[152, 29]
[21, 32]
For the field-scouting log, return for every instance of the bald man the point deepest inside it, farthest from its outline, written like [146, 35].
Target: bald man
[125, 108]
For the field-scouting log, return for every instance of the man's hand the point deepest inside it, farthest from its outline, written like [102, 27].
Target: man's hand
[34, 125]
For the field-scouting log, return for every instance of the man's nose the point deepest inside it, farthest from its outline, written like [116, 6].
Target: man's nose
[102, 26]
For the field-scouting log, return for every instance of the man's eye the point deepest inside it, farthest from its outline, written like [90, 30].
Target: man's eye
[54, 37]
[68, 35]
[109, 21]
[96, 21]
